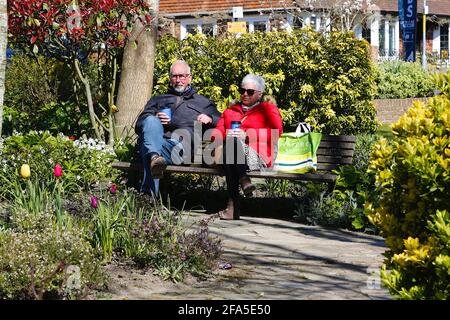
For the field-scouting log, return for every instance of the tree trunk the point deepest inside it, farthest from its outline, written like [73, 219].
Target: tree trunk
[3, 46]
[87, 88]
[136, 80]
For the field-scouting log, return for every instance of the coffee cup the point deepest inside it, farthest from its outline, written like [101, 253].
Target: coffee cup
[167, 112]
[235, 124]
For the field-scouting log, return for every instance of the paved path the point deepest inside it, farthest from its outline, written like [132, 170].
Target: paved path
[276, 259]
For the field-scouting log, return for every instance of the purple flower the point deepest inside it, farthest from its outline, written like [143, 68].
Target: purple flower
[94, 202]
[113, 188]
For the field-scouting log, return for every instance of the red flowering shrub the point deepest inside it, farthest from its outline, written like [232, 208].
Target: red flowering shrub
[57, 24]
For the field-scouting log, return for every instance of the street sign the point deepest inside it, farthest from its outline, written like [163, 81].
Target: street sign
[237, 27]
[238, 12]
[408, 22]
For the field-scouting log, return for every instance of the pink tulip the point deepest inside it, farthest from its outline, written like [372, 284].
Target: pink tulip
[94, 202]
[58, 170]
[113, 188]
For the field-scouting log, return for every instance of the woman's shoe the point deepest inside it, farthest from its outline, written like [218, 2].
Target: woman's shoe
[247, 186]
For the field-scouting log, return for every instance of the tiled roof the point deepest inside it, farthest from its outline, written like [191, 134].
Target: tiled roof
[437, 7]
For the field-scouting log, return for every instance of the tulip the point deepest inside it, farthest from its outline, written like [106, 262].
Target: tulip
[73, 138]
[25, 171]
[113, 188]
[94, 202]
[58, 170]
[114, 108]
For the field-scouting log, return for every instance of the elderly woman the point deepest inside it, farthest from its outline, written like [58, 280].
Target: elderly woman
[250, 130]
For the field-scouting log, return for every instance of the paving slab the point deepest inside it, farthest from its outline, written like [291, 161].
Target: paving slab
[277, 259]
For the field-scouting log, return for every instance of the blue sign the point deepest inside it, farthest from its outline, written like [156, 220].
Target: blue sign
[407, 10]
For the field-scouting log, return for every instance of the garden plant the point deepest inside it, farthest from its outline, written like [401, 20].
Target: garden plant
[412, 173]
[64, 216]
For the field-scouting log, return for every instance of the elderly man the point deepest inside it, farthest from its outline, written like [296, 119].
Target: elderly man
[157, 144]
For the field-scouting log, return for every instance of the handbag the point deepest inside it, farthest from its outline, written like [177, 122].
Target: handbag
[297, 151]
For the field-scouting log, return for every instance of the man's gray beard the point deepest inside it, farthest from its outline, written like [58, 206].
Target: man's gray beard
[180, 89]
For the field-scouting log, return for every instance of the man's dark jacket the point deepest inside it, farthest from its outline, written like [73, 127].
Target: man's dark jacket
[186, 107]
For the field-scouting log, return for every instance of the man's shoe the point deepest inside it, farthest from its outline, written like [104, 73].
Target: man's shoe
[247, 186]
[157, 166]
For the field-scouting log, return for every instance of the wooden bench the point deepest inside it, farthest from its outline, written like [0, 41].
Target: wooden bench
[333, 151]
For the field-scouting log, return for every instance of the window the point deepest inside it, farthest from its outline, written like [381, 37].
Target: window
[382, 36]
[257, 23]
[194, 26]
[259, 26]
[191, 28]
[208, 29]
[391, 41]
[298, 22]
[313, 22]
[444, 41]
[323, 24]
[366, 34]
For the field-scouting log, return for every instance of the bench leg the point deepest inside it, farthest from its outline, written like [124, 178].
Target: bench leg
[330, 187]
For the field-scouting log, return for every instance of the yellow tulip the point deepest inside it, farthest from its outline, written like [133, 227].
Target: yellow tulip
[114, 108]
[25, 171]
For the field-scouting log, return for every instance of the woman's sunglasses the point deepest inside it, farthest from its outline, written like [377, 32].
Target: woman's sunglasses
[250, 92]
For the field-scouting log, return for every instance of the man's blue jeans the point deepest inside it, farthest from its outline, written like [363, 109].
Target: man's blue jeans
[152, 141]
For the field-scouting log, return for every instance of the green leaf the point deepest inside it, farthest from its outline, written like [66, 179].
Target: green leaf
[357, 223]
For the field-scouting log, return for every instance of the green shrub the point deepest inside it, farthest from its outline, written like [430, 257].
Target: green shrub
[400, 79]
[344, 206]
[318, 207]
[39, 95]
[85, 162]
[413, 177]
[325, 79]
[43, 261]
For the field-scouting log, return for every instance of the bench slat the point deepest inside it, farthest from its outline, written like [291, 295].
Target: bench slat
[335, 160]
[333, 138]
[336, 145]
[334, 152]
[327, 166]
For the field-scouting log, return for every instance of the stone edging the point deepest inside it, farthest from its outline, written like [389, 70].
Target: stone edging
[390, 110]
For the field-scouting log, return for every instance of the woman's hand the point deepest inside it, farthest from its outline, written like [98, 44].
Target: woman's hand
[236, 133]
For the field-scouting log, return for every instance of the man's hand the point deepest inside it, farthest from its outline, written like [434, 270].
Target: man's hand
[203, 118]
[236, 133]
[163, 118]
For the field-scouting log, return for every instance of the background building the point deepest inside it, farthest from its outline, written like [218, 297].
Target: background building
[378, 24]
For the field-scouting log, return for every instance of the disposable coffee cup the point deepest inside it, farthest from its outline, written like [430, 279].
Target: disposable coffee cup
[167, 112]
[235, 124]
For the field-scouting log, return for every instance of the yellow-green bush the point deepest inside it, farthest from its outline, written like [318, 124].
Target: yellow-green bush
[327, 80]
[413, 177]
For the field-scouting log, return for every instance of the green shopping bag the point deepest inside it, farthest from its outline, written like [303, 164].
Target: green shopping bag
[297, 152]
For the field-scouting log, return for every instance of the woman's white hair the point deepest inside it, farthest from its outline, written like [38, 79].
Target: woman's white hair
[254, 78]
